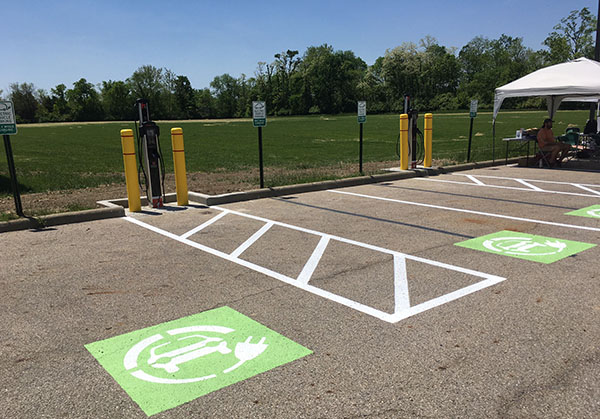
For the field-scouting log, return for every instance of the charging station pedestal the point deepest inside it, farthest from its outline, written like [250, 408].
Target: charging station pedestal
[151, 156]
[412, 131]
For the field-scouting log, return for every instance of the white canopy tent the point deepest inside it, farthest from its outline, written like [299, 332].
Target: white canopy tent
[574, 80]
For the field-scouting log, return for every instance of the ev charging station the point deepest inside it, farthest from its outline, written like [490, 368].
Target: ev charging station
[150, 155]
[413, 115]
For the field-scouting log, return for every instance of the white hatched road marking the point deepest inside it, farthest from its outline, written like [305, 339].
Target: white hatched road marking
[475, 180]
[527, 180]
[204, 225]
[402, 308]
[529, 185]
[237, 252]
[402, 299]
[585, 188]
[311, 265]
[504, 187]
[486, 214]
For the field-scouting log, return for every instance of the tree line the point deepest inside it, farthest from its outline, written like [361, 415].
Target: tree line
[321, 80]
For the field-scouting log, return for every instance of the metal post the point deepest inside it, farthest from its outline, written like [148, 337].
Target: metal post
[470, 138]
[360, 158]
[494, 141]
[13, 176]
[260, 157]
[596, 54]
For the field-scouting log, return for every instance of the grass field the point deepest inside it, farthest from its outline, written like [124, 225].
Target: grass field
[72, 156]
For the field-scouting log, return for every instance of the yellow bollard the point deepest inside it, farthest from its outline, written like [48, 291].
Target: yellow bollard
[131, 173]
[428, 139]
[404, 141]
[179, 163]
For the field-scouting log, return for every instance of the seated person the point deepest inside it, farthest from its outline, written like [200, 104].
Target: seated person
[590, 127]
[548, 143]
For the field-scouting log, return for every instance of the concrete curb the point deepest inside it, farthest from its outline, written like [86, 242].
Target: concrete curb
[63, 218]
[340, 183]
[116, 207]
[305, 187]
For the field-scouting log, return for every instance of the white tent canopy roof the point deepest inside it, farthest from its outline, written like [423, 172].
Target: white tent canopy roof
[579, 78]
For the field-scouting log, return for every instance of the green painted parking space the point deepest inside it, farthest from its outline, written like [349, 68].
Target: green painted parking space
[172, 363]
[589, 212]
[526, 246]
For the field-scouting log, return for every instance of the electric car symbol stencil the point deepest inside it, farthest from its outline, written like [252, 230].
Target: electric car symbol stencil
[172, 361]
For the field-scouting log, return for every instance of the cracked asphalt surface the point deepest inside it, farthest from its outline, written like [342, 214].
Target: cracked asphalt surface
[525, 347]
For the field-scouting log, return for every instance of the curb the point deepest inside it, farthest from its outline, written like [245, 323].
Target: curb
[116, 207]
[63, 218]
[340, 183]
[306, 187]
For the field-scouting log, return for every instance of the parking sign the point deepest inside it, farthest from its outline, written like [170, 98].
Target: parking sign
[8, 124]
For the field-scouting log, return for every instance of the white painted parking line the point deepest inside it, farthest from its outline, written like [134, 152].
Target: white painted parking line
[203, 226]
[402, 308]
[503, 187]
[556, 182]
[529, 185]
[485, 214]
[313, 261]
[475, 180]
[402, 300]
[242, 248]
[585, 188]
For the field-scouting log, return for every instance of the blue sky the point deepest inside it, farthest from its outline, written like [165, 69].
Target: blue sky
[52, 42]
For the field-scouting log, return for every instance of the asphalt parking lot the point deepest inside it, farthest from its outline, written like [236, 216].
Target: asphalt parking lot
[473, 294]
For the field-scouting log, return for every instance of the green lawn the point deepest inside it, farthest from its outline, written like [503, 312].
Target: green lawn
[84, 155]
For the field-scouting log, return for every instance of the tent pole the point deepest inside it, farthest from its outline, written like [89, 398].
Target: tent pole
[494, 141]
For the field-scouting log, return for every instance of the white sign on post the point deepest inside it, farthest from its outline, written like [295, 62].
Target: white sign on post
[259, 114]
[473, 112]
[362, 112]
[8, 124]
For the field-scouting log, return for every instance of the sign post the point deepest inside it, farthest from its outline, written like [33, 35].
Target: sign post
[259, 120]
[472, 114]
[8, 127]
[362, 118]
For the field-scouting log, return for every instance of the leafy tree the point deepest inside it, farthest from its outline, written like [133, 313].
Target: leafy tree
[147, 82]
[24, 101]
[117, 101]
[60, 108]
[84, 102]
[226, 91]
[205, 105]
[331, 78]
[400, 69]
[372, 88]
[263, 89]
[487, 64]
[184, 98]
[572, 38]
[285, 65]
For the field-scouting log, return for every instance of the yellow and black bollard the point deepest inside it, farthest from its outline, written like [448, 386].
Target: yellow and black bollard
[179, 163]
[131, 173]
[428, 139]
[404, 142]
